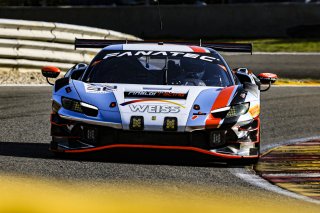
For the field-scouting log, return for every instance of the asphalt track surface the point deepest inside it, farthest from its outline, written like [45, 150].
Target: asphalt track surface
[287, 113]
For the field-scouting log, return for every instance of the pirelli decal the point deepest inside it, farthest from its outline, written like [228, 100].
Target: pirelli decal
[155, 94]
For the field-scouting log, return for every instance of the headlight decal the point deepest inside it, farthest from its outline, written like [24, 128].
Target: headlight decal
[238, 110]
[238, 106]
[71, 104]
[89, 110]
[255, 110]
[88, 106]
[81, 107]
[223, 99]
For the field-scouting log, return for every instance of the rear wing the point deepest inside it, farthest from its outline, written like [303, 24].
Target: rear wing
[224, 47]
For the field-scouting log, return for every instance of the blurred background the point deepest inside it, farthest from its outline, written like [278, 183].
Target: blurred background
[181, 19]
[137, 2]
[34, 33]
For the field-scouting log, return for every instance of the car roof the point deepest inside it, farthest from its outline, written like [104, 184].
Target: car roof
[157, 47]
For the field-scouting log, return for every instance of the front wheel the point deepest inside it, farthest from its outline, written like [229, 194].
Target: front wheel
[53, 144]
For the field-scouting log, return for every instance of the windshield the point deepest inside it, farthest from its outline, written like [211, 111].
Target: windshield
[159, 68]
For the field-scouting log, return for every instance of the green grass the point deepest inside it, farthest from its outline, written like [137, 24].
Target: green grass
[281, 45]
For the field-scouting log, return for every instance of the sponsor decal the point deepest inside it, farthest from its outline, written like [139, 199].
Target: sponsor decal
[68, 89]
[208, 57]
[154, 108]
[155, 94]
[158, 107]
[98, 88]
[194, 117]
[151, 100]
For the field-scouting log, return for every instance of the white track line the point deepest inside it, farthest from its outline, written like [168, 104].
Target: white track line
[253, 179]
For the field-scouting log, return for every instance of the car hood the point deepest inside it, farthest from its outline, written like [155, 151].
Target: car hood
[153, 102]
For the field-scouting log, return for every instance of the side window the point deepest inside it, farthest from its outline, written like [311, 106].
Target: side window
[77, 74]
[76, 71]
[68, 73]
[235, 78]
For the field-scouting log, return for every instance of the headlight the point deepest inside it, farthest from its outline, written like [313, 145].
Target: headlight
[88, 109]
[237, 110]
[80, 107]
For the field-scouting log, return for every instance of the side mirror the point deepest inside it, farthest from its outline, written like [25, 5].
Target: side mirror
[50, 72]
[244, 75]
[267, 78]
[242, 70]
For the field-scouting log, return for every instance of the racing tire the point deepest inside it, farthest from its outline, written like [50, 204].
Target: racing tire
[53, 144]
[245, 162]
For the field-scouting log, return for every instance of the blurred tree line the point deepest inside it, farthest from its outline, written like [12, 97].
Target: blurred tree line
[133, 2]
[32, 2]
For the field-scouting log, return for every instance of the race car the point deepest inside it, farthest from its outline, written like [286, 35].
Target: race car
[155, 95]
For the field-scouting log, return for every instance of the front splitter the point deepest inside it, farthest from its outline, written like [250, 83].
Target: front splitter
[136, 146]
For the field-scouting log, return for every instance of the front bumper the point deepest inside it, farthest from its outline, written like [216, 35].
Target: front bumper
[72, 136]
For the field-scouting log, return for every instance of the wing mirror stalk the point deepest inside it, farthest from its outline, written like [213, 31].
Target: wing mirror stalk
[267, 78]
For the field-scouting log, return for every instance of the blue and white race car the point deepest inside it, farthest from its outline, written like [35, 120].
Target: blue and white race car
[158, 96]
